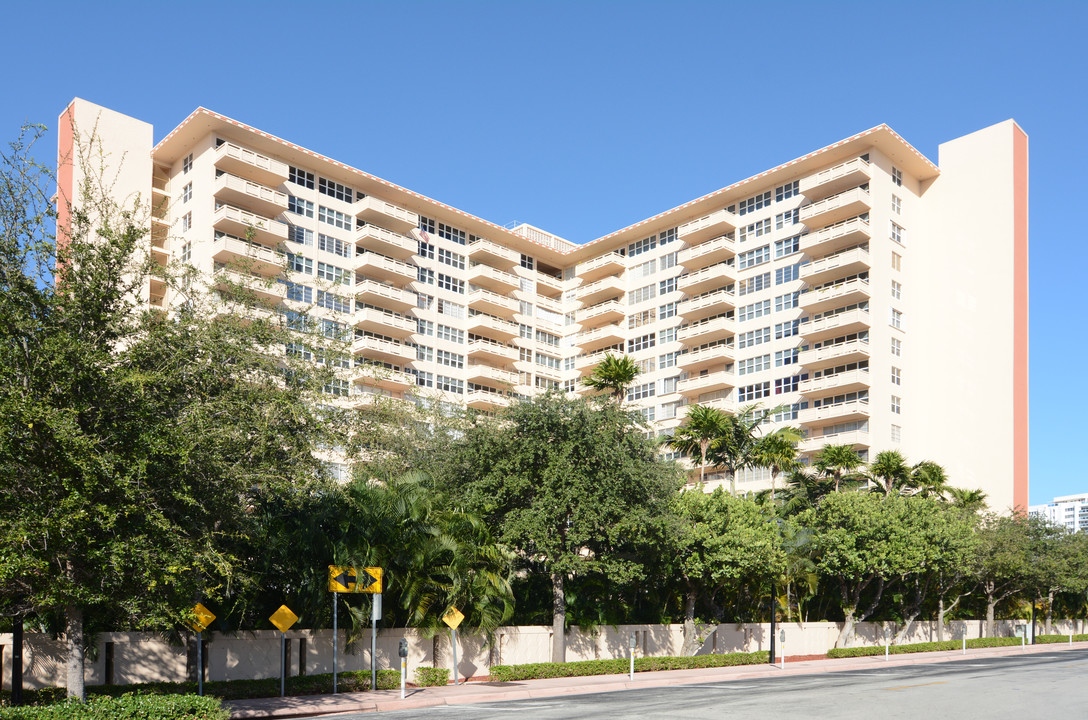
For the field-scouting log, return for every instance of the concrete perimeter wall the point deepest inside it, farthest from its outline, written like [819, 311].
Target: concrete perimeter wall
[144, 657]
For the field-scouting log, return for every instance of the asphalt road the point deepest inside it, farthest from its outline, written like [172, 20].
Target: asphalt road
[1050, 685]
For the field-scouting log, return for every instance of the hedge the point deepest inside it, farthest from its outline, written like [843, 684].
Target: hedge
[921, 647]
[129, 706]
[1050, 639]
[353, 681]
[535, 671]
[432, 676]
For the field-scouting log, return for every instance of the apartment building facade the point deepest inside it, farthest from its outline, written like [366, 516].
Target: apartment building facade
[1070, 511]
[877, 298]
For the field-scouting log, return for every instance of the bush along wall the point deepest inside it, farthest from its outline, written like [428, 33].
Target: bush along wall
[535, 671]
[921, 647]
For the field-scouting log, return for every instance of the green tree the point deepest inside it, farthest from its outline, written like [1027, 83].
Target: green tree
[778, 453]
[735, 448]
[973, 501]
[613, 375]
[568, 485]
[889, 471]
[929, 479]
[1002, 565]
[130, 442]
[837, 462]
[704, 426]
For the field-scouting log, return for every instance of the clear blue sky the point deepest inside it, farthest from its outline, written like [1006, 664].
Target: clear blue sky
[583, 117]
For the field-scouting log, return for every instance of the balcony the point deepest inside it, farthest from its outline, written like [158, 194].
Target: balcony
[493, 303]
[485, 400]
[850, 381]
[233, 190]
[262, 288]
[493, 327]
[709, 253]
[383, 377]
[604, 336]
[714, 303]
[549, 304]
[836, 179]
[705, 228]
[387, 215]
[830, 326]
[601, 290]
[247, 255]
[601, 313]
[725, 404]
[693, 387]
[608, 264]
[832, 296]
[159, 254]
[385, 242]
[250, 165]
[373, 292]
[385, 269]
[832, 355]
[839, 412]
[858, 439]
[492, 351]
[384, 322]
[488, 277]
[696, 360]
[389, 351]
[243, 223]
[704, 331]
[835, 208]
[835, 237]
[707, 279]
[490, 375]
[841, 264]
[584, 364]
[483, 250]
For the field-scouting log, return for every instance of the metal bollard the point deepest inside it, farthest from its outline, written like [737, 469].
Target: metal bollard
[403, 652]
[634, 644]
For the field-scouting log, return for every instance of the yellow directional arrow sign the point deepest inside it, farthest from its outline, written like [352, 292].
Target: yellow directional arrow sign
[370, 581]
[453, 617]
[203, 618]
[347, 579]
[284, 618]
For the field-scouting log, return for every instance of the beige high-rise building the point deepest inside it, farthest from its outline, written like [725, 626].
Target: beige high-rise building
[878, 296]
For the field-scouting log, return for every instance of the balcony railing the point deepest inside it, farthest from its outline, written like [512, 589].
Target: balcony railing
[249, 164]
[835, 237]
[247, 193]
[384, 322]
[839, 324]
[836, 208]
[383, 295]
[244, 223]
[709, 304]
[854, 438]
[716, 223]
[611, 263]
[839, 382]
[835, 179]
[830, 296]
[708, 253]
[834, 354]
[841, 264]
[379, 240]
[373, 210]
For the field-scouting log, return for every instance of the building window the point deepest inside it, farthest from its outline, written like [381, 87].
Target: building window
[897, 261]
[897, 376]
[333, 273]
[426, 250]
[668, 335]
[333, 217]
[451, 233]
[786, 385]
[790, 217]
[787, 246]
[669, 260]
[754, 392]
[451, 258]
[785, 192]
[450, 334]
[527, 262]
[299, 293]
[786, 357]
[424, 327]
[751, 258]
[754, 310]
[667, 360]
[298, 206]
[787, 274]
[897, 319]
[642, 294]
[897, 290]
[186, 221]
[755, 203]
[334, 189]
[897, 434]
[187, 164]
[187, 193]
[786, 329]
[425, 275]
[786, 302]
[667, 311]
[640, 391]
[333, 245]
[547, 338]
[448, 282]
[667, 236]
[643, 342]
[753, 364]
[547, 361]
[637, 248]
[300, 177]
[423, 379]
[666, 286]
[448, 384]
[186, 252]
[898, 233]
[897, 205]
[449, 359]
[426, 224]
[897, 176]
[329, 301]
[336, 386]
[300, 235]
[897, 347]
[755, 284]
[300, 264]
[754, 337]
[897, 404]
[525, 308]
[755, 230]
[668, 385]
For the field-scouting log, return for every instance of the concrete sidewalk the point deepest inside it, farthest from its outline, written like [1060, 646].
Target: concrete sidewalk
[482, 692]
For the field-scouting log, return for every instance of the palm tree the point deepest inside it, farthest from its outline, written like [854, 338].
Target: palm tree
[890, 471]
[613, 374]
[973, 501]
[837, 462]
[803, 490]
[736, 448]
[704, 426]
[929, 479]
[778, 453]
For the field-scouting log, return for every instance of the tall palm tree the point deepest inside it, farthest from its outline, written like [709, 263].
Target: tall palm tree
[778, 453]
[614, 374]
[890, 471]
[704, 426]
[837, 462]
[973, 501]
[736, 448]
[929, 479]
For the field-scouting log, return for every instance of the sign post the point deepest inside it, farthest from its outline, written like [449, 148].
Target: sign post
[347, 579]
[887, 640]
[283, 619]
[453, 618]
[202, 618]
[964, 637]
[634, 644]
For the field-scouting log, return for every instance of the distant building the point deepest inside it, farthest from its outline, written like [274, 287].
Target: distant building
[1068, 510]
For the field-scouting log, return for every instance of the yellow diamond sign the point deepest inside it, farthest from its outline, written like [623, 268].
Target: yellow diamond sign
[284, 618]
[347, 579]
[453, 617]
[203, 618]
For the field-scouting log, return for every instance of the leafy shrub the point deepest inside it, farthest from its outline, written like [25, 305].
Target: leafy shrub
[534, 671]
[129, 706]
[1050, 639]
[432, 677]
[921, 647]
